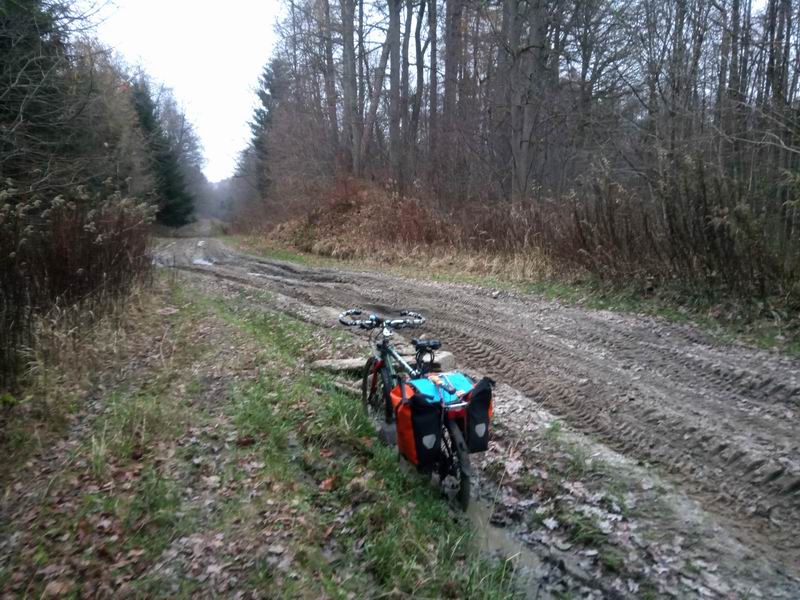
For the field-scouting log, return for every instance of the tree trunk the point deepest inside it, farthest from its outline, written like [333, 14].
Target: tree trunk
[330, 77]
[507, 55]
[350, 115]
[525, 106]
[452, 64]
[395, 143]
[405, 76]
[372, 114]
[433, 85]
[362, 81]
[411, 137]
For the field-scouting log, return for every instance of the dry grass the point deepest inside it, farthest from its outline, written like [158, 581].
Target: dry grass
[63, 264]
[372, 225]
[611, 238]
[70, 347]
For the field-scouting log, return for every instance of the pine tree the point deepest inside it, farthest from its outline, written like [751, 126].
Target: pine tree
[272, 87]
[35, 95]
[175, 203]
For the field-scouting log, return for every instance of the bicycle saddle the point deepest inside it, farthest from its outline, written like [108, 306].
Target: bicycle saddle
[423, 345]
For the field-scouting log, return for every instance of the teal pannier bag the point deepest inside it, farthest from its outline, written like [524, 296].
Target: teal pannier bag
[451, 389]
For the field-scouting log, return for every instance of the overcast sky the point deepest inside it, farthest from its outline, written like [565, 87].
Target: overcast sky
[209, 53]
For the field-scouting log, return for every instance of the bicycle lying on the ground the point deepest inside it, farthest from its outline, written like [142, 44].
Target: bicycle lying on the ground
[436, 419]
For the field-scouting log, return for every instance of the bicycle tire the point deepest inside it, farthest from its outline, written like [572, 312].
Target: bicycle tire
[462, 456]
[374, 404]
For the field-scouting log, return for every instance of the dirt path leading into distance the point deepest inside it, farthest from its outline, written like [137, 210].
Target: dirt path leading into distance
[719, 421]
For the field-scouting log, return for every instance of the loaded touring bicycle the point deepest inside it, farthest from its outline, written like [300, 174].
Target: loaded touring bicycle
[436, 419]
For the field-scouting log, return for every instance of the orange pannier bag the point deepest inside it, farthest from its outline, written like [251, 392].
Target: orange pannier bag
[419, 426]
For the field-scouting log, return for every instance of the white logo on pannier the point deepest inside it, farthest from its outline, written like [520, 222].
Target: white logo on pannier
[480, 429]
[429, 440]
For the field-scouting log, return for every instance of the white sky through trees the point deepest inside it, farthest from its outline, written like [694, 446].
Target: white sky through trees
[210, 53]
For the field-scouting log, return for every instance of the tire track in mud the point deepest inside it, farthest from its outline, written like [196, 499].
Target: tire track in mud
[651, 431]
[720, 418]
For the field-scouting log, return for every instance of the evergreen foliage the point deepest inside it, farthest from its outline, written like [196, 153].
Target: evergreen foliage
[271, 90]
[75, 184]
[175, 203]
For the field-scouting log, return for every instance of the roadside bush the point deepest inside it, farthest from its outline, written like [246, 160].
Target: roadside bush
[717, 248]
[83, 253]
[75, 178]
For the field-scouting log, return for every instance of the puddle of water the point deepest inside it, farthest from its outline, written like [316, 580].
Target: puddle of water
[527, 567]
[203, 262]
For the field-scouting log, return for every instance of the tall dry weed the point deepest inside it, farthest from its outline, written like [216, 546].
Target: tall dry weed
[74, 258]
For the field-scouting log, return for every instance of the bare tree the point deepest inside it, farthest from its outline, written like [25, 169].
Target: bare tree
[351, 121]
[393, 40]
[330, 74]
[663, 132]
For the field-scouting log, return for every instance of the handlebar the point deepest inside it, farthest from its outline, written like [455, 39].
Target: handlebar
[412, 319]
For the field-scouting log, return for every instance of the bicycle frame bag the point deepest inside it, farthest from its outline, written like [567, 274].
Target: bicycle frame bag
[419, 426]
[479, 416]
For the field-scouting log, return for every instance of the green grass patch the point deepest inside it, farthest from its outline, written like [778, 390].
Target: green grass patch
[612, 559]
[133, 423]
[583, 529]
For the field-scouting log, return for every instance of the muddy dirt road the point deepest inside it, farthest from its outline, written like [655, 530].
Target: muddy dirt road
[719, 420]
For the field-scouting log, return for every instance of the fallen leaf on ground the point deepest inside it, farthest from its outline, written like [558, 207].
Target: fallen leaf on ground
[212, 481]
[327, 484]
[58, 588]
[563, 546]
[245, 441]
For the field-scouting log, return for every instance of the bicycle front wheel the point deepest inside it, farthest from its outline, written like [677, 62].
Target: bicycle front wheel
[457, 463]
[375, 390]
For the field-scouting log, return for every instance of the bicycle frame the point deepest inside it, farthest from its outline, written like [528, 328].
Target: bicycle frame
[386, 354]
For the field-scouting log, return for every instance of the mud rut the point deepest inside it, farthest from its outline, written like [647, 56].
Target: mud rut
[722, 420]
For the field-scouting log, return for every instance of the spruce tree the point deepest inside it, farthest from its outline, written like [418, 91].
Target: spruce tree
[258, 128]
[175, 203]
[271, 90]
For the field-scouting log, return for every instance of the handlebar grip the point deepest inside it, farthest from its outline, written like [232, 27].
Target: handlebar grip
[416, 318]
[350, 322]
